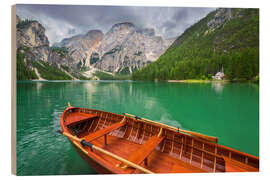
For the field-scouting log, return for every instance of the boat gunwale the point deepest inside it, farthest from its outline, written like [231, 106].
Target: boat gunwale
[95, 156]
[90, 154]
[99, 160]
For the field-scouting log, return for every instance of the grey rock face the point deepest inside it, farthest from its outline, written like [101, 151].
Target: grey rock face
[81, 47]
[34, 44]
[125, 49]
[116, 36]
[31, 34]
[221, 16]
[61, 59]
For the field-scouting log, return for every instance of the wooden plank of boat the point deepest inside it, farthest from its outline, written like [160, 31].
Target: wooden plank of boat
[185, 168]
[144, 151]
[234, 166]
[78, 117]
[203, 136]
[178, 153]
[104, 131]
[91, 146]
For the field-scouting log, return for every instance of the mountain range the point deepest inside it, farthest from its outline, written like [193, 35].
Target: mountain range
[121, 51]
[226, 39]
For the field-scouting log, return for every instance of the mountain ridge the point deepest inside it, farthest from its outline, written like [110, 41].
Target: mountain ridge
[115, 53]
[35, 58]
[226, 38]
[78, 57]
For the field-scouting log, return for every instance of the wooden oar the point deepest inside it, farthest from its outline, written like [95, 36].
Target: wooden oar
[206, 137]
[91, 146]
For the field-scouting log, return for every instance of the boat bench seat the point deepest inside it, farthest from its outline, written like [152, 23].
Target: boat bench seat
[234, 166]
[103, 131]
[144, 151]
[183, 167]
[77, 117]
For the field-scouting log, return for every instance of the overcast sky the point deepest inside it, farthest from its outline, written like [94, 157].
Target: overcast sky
[62, 21]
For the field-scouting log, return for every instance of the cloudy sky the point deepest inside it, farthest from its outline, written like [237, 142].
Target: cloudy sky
[62, 21]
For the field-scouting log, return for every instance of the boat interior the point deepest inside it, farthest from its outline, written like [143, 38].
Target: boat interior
[153, 147]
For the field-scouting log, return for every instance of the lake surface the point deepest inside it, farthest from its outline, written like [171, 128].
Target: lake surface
[228, 111]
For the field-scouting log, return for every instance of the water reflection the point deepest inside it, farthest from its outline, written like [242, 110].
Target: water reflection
[119, 97]
[167, 119]
[191, 106]
[218, 87]
[39, 86]
[149, 103]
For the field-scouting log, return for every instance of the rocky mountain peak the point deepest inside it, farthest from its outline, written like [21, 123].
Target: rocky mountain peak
[31, 34]
[126, 49]
[122, 26]
[81, 46]
[94, 34]
[122, 29]
[123, 49]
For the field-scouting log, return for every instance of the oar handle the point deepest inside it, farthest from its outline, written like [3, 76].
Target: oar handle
[206, 137]
[91, 146]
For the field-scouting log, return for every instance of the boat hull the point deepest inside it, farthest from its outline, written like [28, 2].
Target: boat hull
[124, 137]
[91, 162]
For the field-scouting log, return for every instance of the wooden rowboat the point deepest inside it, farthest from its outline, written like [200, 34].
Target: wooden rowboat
[125, 144]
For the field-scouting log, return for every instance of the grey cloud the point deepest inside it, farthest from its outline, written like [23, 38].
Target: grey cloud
[169, 24]
[62, 21]
[181, 15]
[71, 31]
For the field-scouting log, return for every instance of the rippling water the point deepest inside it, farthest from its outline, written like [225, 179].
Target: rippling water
[228, 111]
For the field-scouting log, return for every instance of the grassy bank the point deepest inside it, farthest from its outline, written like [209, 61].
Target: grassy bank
[210, 81]
[190, 81]
[107, 76]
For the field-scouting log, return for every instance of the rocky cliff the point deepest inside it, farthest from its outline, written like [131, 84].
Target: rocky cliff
[31, 34]
[126, 49]
[81, 47]
[123, 49]
[35, 58]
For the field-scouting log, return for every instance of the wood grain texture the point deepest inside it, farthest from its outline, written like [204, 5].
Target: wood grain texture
[102, 132]
[144, 151]
[78, 117]
[173, 152]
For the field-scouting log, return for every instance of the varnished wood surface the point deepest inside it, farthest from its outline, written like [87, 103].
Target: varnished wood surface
[102, 132]
[77, 117]
[144, 150]
[157, 162]
[175, 153]
[206, 137]
[234, 166]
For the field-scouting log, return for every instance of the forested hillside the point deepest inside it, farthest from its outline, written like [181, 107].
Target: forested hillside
[225, 39]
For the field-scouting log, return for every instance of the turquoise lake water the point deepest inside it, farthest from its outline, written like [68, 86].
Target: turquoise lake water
[228, 111]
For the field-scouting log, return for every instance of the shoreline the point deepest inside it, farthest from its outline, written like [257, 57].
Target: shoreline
[196, 81]
[208, 81]
[128, 80]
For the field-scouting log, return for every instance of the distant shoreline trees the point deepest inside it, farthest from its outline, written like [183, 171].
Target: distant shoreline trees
[242, 64]
[199, 53]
